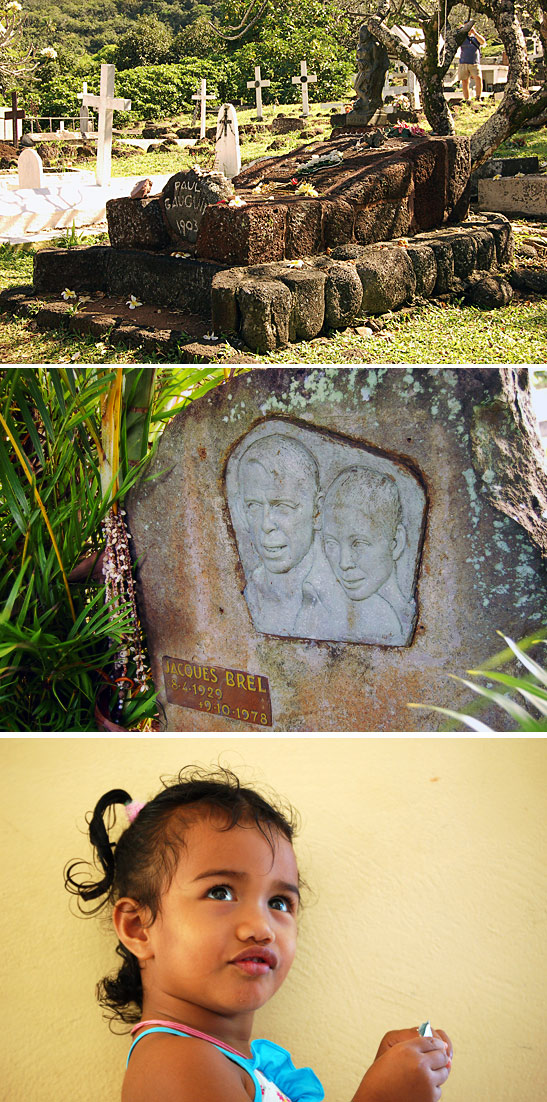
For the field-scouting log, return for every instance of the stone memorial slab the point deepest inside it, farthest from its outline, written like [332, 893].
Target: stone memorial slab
[30, 170]
[227, 151]
[321, 540]
[186, 197]
[513, 195]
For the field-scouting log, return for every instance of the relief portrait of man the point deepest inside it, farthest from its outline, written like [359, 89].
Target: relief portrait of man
[279, 504]
[364, 536]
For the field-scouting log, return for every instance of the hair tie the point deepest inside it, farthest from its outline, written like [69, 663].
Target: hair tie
[132, 808]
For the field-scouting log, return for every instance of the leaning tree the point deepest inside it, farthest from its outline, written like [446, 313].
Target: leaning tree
[442, 36]
[442, 39]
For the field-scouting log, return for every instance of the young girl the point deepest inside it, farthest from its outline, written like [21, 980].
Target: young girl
[205, 893]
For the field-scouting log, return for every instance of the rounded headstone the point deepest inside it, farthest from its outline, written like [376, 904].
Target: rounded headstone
[185, 199]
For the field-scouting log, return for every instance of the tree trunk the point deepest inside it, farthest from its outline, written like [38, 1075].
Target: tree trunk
[517, 106]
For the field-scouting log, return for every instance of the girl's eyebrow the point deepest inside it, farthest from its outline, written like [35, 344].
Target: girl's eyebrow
[281, 885]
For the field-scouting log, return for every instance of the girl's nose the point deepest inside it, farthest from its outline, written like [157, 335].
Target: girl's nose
[255, 925]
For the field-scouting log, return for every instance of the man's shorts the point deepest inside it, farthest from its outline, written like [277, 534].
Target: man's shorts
[466, 71]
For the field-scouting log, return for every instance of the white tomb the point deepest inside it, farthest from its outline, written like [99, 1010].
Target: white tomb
[227, 151]
[30, 170]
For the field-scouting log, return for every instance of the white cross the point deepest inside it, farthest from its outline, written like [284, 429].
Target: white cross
[202, 98]
[105, 104]
[304, 79]
[258, 84]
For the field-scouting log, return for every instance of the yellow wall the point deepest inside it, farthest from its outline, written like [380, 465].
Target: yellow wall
[427, 861]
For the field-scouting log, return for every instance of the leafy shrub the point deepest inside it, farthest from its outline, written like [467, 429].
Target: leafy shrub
[159, 91]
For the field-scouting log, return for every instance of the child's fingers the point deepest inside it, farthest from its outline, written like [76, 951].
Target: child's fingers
[441, 1033]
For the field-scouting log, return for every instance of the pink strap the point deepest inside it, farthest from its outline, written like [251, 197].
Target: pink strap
[192, 1032]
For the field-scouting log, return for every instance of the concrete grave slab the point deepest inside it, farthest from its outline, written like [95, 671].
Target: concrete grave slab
[70, 198]
[513, 195]
[254, 587]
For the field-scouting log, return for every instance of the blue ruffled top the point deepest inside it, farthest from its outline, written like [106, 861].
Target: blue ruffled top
[299, 1084]
[274, 1062]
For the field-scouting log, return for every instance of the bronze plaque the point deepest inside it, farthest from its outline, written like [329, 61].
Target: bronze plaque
[233, 694]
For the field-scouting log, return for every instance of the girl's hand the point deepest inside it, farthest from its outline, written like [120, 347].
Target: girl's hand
[395, 1036]
[409, 1069]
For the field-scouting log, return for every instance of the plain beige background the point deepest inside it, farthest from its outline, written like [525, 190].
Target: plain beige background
[427, 862]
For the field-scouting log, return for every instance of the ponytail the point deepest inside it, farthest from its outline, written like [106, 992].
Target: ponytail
[104, 849]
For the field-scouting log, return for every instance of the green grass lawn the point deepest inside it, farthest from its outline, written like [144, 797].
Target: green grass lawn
[437, 333]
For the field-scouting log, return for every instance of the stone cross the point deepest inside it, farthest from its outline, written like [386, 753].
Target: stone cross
[304, 79]
[30, 170]
[14, 115]
[202, 98]
[105, 104]
[258, 84]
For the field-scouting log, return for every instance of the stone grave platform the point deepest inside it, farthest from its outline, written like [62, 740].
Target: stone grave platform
[267, 306]
[407, 186]
[526, 195]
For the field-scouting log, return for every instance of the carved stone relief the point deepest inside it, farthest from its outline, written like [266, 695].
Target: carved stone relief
[329, 534]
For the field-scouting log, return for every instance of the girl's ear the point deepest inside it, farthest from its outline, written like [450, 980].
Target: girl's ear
[132, 925]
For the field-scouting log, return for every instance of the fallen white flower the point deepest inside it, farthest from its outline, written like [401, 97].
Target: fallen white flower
[210, 337]
[133, 302]
[68, 294]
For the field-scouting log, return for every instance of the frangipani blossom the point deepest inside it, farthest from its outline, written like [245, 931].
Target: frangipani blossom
[68, 295]
[133, 302]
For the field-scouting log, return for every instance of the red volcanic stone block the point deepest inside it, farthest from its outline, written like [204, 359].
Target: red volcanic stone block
[338, 219]
[440, 170]
[391, 180]
[243, 235]
[458, 186]
[303, 237]
[382, 222]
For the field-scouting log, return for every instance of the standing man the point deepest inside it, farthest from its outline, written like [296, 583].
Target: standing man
[469, 65]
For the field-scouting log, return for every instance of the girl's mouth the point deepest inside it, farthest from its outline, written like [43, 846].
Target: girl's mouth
[252, 966]
[255, 962]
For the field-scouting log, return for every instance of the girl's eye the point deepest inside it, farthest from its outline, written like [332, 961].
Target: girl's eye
[221, 892]
[281, 903]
